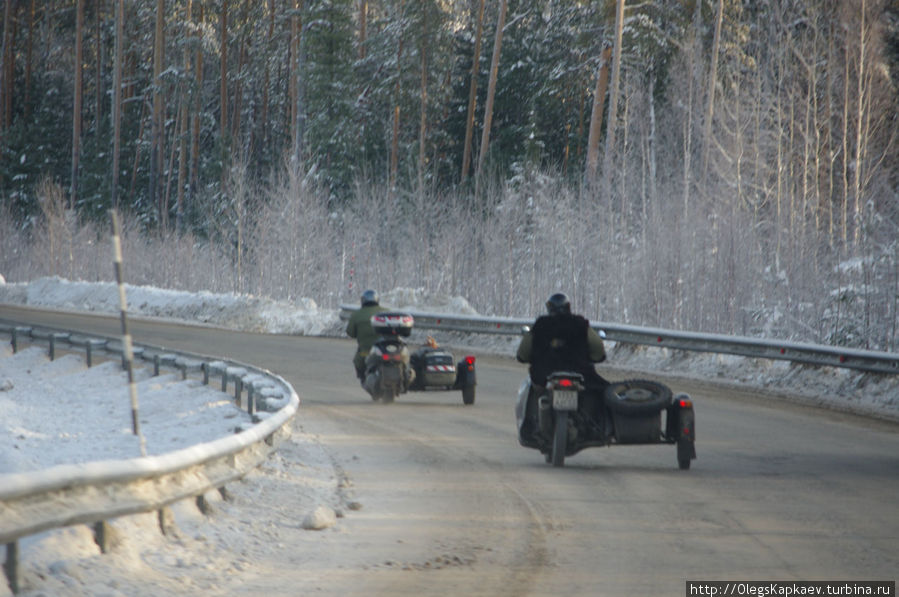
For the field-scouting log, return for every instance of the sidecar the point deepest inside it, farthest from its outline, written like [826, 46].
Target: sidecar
[437, 369]
[633, 411]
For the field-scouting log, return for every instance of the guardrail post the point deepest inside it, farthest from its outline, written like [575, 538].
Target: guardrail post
[156, 365]
[102, 535]
[205, 368]
[15, 341]
[166, 519]
[251, 400]
[52, 347]
[238, 390]
[89, 354]
[203, 504]
[11, 566]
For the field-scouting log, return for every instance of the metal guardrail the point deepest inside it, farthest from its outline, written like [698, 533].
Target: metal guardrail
[95, 492]
[797, 352]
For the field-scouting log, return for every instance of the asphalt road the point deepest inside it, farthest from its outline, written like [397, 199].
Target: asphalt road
[452, 505]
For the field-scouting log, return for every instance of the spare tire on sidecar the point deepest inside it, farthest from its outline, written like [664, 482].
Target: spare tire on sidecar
[636, 407]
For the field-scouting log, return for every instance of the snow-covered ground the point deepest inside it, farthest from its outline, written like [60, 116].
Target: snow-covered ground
[45, 419]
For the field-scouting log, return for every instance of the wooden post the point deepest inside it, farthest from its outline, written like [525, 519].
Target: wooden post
[127, 348]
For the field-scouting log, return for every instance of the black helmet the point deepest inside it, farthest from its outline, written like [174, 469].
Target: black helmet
[369, 297]
[558, 304]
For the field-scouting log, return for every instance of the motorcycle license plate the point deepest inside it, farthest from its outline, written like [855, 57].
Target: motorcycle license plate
[564, 400]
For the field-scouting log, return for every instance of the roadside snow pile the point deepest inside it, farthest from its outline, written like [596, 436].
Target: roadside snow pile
[243, 312]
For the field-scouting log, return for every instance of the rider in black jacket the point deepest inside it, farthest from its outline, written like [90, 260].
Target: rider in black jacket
[562, 341]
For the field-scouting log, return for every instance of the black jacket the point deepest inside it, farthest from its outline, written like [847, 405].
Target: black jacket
[561, 343]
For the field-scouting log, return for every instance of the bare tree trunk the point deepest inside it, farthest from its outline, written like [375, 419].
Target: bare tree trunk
[236, 119]
[223, 89]
[363, 27]
[779, 164]
[472, 93]
[844, 216]
[76, 110]
[242, 59]
[29, 50]
[491, 92]
[6, 83]
[860, 128]
[195, 125]
[117, 100]
[267, 80]
[292, 74]
[395, 143]
[613, 104]
[98, 72]
[170, 164]
[423, 116]
[599, 99]
[183, 127]
[713, 83]
[829, 149]
[300, 136]
[293, 60]
[157, 131]
[137, 150]
[693, 60]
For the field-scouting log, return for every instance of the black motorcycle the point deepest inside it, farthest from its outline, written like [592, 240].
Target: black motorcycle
[565, 417]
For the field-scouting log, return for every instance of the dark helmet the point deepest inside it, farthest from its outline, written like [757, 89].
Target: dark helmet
[369, 297]
[558, 304]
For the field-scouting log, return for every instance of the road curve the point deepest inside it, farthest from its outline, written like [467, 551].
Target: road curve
[451, 504]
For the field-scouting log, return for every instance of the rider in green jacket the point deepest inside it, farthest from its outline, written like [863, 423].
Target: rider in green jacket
[359, 327]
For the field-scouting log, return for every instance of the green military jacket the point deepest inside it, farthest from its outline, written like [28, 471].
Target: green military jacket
[359, 326]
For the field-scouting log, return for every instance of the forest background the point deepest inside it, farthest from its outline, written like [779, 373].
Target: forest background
[711, 165]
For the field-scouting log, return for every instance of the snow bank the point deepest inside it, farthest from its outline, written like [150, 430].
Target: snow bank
[243, 312]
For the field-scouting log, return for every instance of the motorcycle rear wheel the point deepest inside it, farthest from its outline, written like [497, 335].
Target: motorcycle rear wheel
[468, 395]
[560, 438]
[684, 453]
